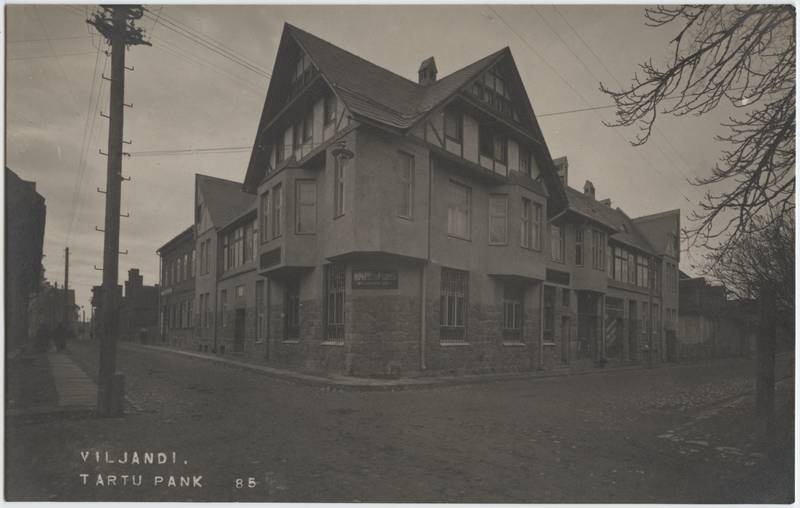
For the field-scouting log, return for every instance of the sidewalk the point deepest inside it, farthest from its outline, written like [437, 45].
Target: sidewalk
[51, 384]
[372, 384]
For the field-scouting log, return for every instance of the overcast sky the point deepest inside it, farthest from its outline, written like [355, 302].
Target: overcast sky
[188, 96]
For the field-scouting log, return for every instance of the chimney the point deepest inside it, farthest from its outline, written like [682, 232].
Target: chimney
[427, 72]
[588, 189]
[562, 169]
[606, 202]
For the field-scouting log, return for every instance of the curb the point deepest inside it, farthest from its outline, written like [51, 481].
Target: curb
[364, 384]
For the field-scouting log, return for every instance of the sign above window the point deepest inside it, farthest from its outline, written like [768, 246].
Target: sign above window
[375, 279]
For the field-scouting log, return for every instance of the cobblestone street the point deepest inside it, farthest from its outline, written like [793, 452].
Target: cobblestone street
[671, 434]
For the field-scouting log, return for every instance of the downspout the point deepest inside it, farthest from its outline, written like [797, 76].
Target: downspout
[268, 340]
[423, 332]
[541, 326]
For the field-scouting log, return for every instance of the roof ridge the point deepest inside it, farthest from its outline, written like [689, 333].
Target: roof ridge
[219, 179]
[658, 214]
[292, 27]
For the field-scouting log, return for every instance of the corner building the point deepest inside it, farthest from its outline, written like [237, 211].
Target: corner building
[402, 226]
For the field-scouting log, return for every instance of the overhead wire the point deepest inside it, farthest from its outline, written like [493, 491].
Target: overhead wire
[580, 95]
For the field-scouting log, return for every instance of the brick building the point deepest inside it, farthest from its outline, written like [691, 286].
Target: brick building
[387, 227]
[138, 313]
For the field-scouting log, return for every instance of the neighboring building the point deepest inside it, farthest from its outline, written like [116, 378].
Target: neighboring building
[177, 290]
[51, 307]
[400, 227]
[25, 221]
[138, 314]
[710, 325]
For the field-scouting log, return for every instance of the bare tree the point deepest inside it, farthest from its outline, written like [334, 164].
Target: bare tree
[762, 257]
[745, 55]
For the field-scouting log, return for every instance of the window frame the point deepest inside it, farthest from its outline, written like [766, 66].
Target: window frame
[453, 208]
[299, 206]
[579, 246]
[456, 119]
[453, 306]
[277, 210]
[339, 187]
[503, 217]
[329, 109]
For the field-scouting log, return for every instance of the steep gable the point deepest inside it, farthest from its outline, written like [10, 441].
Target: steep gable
[223, 200]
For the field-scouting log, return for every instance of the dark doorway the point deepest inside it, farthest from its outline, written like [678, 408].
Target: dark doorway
[633, 331]
[566, 326]
[238, 331]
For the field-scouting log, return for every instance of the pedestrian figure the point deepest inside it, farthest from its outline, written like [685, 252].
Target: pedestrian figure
[42, 338]
[60, 337]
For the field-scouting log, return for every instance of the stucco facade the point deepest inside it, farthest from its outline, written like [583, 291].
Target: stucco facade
[442, 238]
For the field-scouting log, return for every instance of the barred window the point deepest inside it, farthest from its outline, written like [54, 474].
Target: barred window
[513, 298]
[334, 303]
[291, 313]
[453, 305]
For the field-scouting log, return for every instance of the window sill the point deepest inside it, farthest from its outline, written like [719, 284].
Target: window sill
[332, 343]
[290, 341]
[458, 237]
[514, 344]
[453, 343]
[405, 217]
[549, 344]
[498, 244]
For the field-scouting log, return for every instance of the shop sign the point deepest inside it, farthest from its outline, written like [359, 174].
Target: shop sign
[374, 279]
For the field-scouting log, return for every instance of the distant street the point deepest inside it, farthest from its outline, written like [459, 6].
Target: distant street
[671, 434]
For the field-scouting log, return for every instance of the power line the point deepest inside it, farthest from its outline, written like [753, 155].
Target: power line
[20, 41]
[200, 39]
[86, 141]
[54, 55]
[589, 107]
[600, 60]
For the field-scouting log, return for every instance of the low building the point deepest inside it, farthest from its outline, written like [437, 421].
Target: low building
[52, 307]
[25, 222]
[177, 290]
[138, 313]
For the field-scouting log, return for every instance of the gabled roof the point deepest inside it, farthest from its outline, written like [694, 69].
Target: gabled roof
[225, 199]
[183, 235]
[625, 231]
[377, 93]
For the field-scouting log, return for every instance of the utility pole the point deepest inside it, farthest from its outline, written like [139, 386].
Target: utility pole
[66, 287]
[116, 24]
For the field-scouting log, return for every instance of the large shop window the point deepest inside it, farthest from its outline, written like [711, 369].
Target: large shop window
[453, 305]
[334, 303]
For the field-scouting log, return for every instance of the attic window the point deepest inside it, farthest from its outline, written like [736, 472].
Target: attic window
[492, 89]
[303, 72]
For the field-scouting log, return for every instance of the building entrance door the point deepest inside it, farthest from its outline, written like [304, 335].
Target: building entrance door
[238, 331]
[633, 330]
[565, 339]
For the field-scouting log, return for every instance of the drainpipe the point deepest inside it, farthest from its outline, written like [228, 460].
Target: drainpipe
[268, 345]
[541, 325]
[423, 332]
